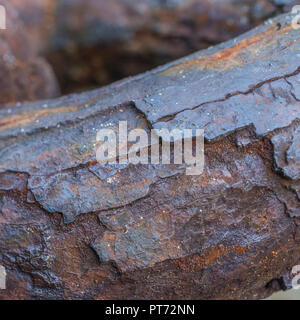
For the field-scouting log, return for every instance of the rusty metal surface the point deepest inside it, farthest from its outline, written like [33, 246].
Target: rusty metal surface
[72, 228]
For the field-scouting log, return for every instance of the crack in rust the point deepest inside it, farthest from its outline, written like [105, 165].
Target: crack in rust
[230, 95]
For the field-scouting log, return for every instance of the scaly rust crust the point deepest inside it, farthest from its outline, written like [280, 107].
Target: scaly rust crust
[72, 228]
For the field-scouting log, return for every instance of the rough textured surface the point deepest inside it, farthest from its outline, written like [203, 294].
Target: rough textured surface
[95, 42]
[72, 228]
[24, 75]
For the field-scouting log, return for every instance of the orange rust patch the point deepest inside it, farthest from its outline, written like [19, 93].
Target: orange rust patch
[25, 118]
[241, 53]
[198, 262]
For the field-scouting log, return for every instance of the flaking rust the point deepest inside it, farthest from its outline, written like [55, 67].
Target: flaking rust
[73, 228]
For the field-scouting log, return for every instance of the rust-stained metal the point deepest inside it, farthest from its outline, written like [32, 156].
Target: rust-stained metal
[73, 228]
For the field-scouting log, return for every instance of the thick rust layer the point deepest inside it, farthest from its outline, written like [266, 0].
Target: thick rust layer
[72, 228]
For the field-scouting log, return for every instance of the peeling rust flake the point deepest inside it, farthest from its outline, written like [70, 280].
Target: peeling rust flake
[73, 228]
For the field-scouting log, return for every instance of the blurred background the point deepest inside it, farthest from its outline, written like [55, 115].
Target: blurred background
[91, 43]
[286, 295]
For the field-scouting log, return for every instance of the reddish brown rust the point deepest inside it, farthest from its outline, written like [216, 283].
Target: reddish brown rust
[72, 228]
